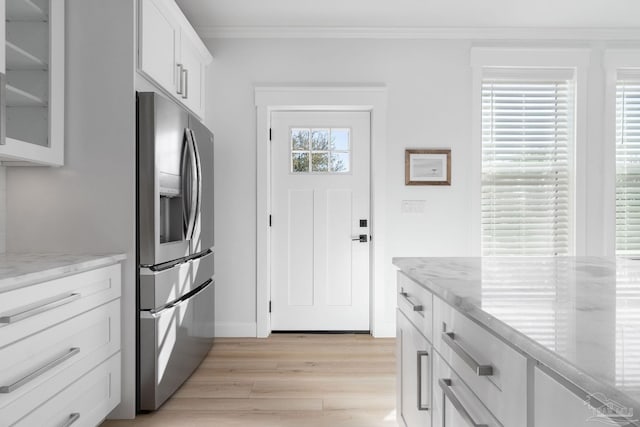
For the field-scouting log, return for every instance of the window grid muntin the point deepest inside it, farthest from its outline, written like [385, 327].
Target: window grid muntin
[329, 152]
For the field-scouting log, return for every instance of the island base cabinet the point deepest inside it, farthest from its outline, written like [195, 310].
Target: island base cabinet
[413, 353]
[454, 404]
[557, 406]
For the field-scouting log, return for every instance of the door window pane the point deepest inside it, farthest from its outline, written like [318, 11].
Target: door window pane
[340, 162]
[320, 139]
[300, 139]
[300, 162]
[320, 162]
[340, 139]
[320, 150]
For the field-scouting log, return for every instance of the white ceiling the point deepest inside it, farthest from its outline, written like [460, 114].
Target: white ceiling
[206, 14]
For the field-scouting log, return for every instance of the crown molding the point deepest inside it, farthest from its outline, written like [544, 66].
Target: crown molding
[427, 33]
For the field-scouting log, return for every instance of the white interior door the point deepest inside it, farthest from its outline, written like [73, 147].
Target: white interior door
[319, 205]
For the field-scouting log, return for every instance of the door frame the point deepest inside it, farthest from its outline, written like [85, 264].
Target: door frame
[370, 98]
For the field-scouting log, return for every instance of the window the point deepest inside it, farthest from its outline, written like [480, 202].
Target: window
[628, 163]
[320, 150]
[527, 141]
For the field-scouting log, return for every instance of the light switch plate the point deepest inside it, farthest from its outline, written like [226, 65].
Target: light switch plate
[413, 206]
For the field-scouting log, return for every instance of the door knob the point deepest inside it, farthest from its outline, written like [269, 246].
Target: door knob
[361, 238]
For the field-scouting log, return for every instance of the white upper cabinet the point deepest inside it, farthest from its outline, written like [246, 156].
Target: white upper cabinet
[159, 44]
[171, 54]
[193, 71]
[33, 65]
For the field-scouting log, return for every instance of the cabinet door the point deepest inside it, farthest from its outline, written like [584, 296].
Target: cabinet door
[414, 375]
[192, 68]
[159, 45]
[557, 406]
[33, 52]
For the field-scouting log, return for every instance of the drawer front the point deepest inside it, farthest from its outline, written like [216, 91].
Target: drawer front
[160, 288]
[417, 304]
[413, 358]
[27, 310]
[35, 369]
[454, 404]
[493, 370]
[85, 403]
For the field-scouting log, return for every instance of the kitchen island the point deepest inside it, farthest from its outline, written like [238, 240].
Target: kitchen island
[550, 341]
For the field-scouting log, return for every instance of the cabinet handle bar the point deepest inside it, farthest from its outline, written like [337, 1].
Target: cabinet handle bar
[480, 370]
[422, 407]
[72, 419]
[185, 94]
[416, 307]
[41, 370]
[445, 385]
[180, 81]
[45, 305]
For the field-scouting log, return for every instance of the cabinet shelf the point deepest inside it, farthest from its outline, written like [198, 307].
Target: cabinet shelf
[25, 10]
[20, 98]
[18, 58]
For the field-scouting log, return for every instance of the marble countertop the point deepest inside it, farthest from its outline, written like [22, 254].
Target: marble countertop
[579, 316]
[17, 270]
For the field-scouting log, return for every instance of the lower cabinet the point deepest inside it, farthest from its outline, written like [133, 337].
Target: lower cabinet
[414, 354]
[556, 406]
[60, 350]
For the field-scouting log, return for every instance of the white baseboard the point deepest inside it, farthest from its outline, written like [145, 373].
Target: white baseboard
[236, 329]
[384, 330]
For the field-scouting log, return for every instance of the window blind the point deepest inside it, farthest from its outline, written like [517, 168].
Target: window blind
[527, 133]
[628, 164]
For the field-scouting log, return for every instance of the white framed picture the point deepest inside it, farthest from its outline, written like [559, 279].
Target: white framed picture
[427, 167]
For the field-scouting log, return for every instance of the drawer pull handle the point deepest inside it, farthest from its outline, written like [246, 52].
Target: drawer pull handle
[41, 370]
[72, 419]
[480, 370]
[45, 305]
[421, 406]
[416, 307]
[445, 385]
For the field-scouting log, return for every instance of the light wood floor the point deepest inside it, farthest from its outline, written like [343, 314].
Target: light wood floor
[287, 380]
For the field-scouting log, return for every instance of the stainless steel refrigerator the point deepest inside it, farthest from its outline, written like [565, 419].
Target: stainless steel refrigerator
[175, 247]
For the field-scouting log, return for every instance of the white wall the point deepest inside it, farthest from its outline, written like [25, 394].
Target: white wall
[429, 105]
[88, 205]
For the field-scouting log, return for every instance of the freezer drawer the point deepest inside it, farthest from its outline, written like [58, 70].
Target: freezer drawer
[173, 342]
[159, 288]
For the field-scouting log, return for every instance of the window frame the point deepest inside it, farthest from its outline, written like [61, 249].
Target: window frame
[615, 61]
[575, 60]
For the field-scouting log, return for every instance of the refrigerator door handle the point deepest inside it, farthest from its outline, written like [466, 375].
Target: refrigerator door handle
[190, 183]
[3, 108]
[198, 174]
